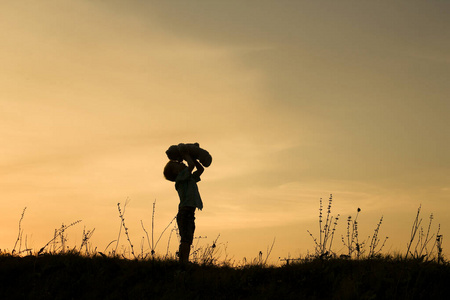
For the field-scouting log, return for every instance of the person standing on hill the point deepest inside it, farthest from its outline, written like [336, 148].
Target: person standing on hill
[186, 186]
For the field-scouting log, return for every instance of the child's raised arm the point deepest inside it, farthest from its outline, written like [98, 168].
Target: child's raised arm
[192, 163]
[199, 167]
[189, 160]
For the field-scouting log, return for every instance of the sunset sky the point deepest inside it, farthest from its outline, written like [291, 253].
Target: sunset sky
[295, 100]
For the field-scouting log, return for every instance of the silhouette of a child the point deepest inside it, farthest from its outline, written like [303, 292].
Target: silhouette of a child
[186, 186]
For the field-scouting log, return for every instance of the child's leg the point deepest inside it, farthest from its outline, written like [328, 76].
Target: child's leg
[186, 227]
[184, 250]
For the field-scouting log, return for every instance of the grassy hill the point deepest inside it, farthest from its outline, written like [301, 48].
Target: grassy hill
[74, 276]
[58, 271]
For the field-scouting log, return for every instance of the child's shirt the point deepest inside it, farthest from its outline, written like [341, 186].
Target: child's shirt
[186, 186]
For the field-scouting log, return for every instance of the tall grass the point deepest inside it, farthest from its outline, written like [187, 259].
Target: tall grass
[425, 244]
[322, 245]
[20, 234]
[74, 276]
[362, 272]
[374, 250]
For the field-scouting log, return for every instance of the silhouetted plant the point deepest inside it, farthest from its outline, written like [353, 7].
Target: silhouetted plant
[122, 221]
[326, 232]
[288, 260]
[422, 239]
[87, 234]
[207, 255]
[439, 239]
[373, 251]
[106, 248]
[162, 233]
[20, 234]
[352, 243]
[420, 246]
[59, 233]
[268, 252]
[152, 252]
[357, 248]
[195, 249]
[174, 229]
[152, 246]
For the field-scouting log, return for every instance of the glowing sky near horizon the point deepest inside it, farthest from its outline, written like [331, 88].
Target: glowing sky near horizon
[295, 100]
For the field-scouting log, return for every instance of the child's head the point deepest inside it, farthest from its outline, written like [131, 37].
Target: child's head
[172, 169]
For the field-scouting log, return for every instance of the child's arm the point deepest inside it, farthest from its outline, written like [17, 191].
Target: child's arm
[199, 168]
[190, 161]
[193, 163]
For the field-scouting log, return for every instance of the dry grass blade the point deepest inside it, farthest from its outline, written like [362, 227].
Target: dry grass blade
[59, 233]
[19, 236]
[122, 219]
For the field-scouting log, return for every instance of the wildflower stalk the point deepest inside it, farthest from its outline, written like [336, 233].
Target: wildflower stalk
[86, 237]
[122, 218]
[58, 233]
[375, 241]
[326, 232]
[148, 240]
[414, 229]
[153, 226]
[156, 244]
[19, 236]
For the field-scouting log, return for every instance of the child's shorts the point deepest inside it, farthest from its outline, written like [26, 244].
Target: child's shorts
[186, 223]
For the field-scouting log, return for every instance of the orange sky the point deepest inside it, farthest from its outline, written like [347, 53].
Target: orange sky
[294, 99]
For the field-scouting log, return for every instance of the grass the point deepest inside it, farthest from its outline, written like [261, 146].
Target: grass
[326, 232]
[363, 272]
[75, 276]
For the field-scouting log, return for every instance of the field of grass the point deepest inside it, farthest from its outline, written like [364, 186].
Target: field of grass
[74, 276]
[56, 271]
